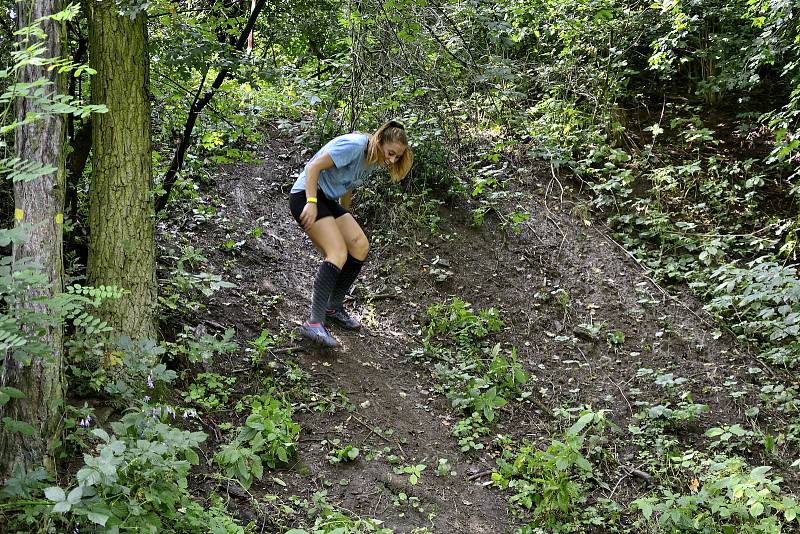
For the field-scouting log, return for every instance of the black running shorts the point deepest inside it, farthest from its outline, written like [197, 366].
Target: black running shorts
[326, 207]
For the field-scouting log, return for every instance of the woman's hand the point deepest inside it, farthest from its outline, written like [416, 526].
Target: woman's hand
[308, 216]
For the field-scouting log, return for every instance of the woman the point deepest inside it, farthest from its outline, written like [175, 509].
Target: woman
[319, 202]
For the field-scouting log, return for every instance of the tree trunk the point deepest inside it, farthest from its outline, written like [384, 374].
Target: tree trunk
[121, 217]
[39, 207]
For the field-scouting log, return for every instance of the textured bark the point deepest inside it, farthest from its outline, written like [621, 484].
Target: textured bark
[121, 217]
[39, 207]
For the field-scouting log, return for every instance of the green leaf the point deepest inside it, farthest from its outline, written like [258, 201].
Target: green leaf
[191, 456]
[488, 413]
[27, 171]
[98, 518]
[789, 515]
[760, 471]
[757, 509]
[645, 507]
[55, 494]
[738, 431]
[257, 468]
[12, 425]
[75, 495]
[581, 423]
[583, 464]
[62, 506]
[604, 14]
[13, 393]
[102, 434]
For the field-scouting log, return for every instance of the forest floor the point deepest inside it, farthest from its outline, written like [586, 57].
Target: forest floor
[546, 275]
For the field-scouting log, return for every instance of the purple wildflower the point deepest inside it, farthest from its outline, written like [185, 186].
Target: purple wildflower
[150, 381]
[147, 398]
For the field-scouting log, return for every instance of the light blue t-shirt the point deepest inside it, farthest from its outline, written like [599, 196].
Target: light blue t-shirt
[348, 153]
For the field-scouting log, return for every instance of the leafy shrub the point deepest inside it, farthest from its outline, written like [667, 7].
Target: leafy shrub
[21, 497]
[137, 480]
[458, 323]
[478, 379]
[761, 303]
[197, 346]
[727, 497]
[268, 436]
[328, 520]
[210, 391]
[22, 329]
[552, 482]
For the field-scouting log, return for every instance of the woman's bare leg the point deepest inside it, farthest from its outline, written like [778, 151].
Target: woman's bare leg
[327, 237]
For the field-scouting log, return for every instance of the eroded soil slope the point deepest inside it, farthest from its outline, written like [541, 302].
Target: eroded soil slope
[546, 275]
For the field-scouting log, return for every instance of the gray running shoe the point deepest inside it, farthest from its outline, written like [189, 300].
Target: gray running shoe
[341, 318]
[317, 333]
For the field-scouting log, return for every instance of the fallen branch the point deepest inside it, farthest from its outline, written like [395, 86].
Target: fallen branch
[480, 474]
[383, 296]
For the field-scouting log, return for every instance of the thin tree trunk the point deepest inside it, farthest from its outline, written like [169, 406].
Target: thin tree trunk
[39, 207]
[121, 217]
[196, 108]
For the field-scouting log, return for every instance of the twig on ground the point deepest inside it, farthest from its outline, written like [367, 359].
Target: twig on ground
[630, 471]
[539, 404]
[286, 350]
[480, 474]
[382, 296]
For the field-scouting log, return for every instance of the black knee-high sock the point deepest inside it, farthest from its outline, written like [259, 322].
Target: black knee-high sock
[349, 273]
[324, 283]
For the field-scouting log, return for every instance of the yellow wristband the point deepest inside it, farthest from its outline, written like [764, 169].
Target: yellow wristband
[313, 200]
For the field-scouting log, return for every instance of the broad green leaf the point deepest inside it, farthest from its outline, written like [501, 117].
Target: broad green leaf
[14, 393]
[12, 425]
[756, 509]
[581, 423]
[75, 495]
[98, 518]
[62, 507]
[55, 494]
[191, 456]
[760, 471]
[102, 434]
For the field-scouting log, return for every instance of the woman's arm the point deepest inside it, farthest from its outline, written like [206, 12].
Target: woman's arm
[309, 214]
[313, 169]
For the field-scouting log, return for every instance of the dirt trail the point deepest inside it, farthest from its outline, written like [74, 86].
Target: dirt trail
[390, 395]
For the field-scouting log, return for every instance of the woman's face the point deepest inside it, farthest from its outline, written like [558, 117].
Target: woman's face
[391, 152]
